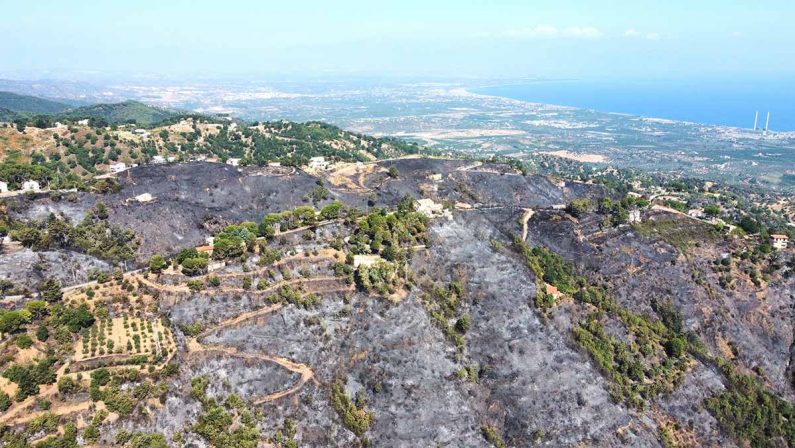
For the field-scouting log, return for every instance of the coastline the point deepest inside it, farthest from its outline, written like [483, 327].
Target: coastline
[598, 92]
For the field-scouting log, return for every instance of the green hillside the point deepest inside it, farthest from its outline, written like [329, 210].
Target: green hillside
[28, 105]
[120, 113]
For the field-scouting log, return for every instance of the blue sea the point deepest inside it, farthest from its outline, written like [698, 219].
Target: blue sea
[727, 102]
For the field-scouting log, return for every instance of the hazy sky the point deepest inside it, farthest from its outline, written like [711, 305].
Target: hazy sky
[617, 38]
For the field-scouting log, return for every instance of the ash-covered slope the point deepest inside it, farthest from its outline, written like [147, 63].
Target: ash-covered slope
[514, 322]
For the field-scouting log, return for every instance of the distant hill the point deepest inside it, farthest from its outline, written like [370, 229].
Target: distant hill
[13, 104]
[124, 112]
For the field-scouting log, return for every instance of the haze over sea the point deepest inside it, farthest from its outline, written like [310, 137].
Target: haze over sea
[718, 102]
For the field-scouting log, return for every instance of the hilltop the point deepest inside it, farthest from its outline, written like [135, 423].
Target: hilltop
[126, 112]
[85, 151]
[42, 112]
[13, 106]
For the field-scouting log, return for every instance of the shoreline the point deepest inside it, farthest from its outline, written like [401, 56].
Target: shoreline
[474, 90]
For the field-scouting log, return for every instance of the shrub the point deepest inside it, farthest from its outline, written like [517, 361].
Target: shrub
[24, 341]
[157, 263]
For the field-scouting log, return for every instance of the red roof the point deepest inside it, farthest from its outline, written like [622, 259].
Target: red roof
[778, 236]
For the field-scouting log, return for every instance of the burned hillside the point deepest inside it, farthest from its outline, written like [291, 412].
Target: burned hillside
[405, 302]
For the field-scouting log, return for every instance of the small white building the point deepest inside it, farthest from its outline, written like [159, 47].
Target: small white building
[634, 216]
[3, 187]
[233, 161]
[83, 122]
[118, 167]
[366, 260]
[31, 185]
[274, 164]
[779, 241]
[158, 159]
[696, 213]
[141, 132]
[318, 163]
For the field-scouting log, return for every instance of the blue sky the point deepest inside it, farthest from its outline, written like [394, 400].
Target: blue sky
[588, 39]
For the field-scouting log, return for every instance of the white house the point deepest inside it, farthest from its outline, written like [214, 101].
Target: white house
[31, 185]
[366, 260]
[83, 122]
[318, 163]
[274, 164]
[158, 159]
[232, 161]
[779, 241]
[696, 213]
[118, 167]
[141, 132]
[634, 216]
[3, 187]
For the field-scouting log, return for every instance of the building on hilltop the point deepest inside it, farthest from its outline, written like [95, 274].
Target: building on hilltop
[780, 241]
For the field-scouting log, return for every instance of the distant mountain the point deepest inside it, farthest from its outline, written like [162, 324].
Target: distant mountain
[13, 104]
[124, 112]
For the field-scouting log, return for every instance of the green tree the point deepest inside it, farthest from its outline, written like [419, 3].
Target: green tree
[50, 289]
[157, 263]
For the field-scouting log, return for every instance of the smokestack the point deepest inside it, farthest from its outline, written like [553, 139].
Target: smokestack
[767, 122]
[756, 117]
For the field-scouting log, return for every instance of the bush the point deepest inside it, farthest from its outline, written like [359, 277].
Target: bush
[24, 341]
[67, 385]
[157, 263]
[195, 285]
[5, 401]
